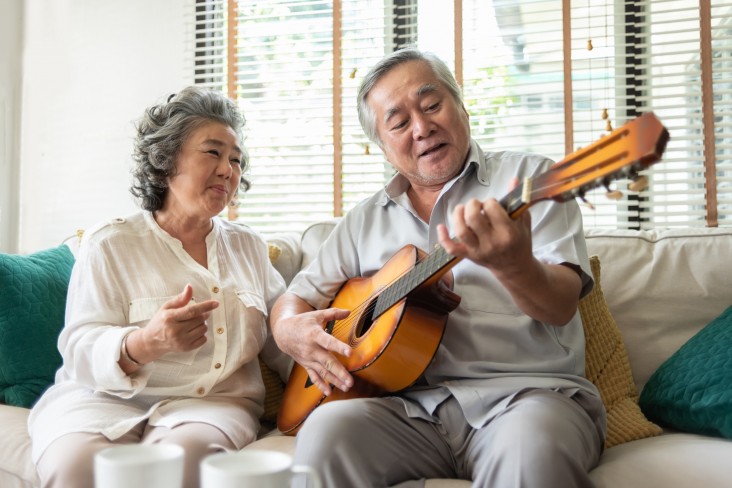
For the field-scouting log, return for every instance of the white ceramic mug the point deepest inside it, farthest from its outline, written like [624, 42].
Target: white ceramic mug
[139, 466]
[252, 468]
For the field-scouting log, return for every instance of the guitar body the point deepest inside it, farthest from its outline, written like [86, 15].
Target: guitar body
[388, 353]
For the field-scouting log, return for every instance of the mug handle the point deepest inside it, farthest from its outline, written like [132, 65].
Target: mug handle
[309, 473]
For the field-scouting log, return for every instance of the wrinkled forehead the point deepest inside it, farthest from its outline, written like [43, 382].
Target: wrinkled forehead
[405, 83]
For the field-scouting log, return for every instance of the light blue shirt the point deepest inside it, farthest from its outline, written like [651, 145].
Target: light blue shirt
[490, 350]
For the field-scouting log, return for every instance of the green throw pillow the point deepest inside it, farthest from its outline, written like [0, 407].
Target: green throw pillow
[692, 390]
[33, 291]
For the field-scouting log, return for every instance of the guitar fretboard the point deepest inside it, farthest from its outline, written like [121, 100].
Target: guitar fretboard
[411, 280]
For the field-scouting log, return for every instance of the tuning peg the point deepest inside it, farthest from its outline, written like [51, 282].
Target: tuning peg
[640, 183]
[612, 194]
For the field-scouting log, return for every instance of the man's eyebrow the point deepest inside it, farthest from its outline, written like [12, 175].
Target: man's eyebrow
[421, 91]
[390, 113]
[426, 88]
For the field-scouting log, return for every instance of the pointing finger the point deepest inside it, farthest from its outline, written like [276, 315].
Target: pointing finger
[193, 310]
[181, 299]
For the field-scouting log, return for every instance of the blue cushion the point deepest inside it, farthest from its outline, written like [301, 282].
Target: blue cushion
[32, 307]
[692, 390]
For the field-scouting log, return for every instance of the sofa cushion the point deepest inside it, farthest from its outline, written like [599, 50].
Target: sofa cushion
[663, 287]
[607, 366]
[32, 306]
[673, 460]
[692, 390]
[285, 254]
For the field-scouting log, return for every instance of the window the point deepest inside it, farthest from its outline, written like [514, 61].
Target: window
[530, 82]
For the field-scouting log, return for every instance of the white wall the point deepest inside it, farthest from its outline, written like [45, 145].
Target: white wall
[90, 68]
[11, 14]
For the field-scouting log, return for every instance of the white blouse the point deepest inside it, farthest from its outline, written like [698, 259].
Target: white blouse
[126, 270]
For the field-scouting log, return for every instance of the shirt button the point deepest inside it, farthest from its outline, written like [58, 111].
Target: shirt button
[215, 289]
[217, 365]
[201, 391]
[220, 330]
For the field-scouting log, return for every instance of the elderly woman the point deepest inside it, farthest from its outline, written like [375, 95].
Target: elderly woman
[166, 311]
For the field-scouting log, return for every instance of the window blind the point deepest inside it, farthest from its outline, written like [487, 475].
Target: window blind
[654, 57]
[210, 44]
[296, 82]
[537, 75]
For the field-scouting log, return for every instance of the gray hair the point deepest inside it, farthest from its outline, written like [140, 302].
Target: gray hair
[162, 131]
[366, 115]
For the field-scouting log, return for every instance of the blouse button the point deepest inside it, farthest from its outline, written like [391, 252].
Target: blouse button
[201, 391]
[215, 289]
[220, 330]
[217, 365]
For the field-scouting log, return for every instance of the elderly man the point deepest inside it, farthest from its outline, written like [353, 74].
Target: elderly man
[504, 402]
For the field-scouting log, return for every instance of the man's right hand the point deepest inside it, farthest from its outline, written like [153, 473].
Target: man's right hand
[298, 330]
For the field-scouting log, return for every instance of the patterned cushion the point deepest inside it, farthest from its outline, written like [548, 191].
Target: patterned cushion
[607, 366]
[32, 306]
[274, 388]
[692, 390]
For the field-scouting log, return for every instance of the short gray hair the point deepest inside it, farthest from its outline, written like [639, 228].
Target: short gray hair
[366, 115]
[162, 131]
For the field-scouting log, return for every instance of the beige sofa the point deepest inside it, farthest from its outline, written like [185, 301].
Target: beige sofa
[661, 287]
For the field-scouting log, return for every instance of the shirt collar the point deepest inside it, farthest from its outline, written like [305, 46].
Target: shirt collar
[399, 184]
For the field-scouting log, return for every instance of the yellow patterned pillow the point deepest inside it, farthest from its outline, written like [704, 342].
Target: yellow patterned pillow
[273, 390]
[607, 366]
[273, 386]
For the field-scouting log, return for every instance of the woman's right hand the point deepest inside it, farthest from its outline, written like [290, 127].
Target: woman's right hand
[179, 326]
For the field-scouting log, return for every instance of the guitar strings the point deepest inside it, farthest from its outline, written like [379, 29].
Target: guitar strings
[369, 305]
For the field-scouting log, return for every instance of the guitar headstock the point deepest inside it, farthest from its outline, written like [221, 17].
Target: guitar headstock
[623, 153]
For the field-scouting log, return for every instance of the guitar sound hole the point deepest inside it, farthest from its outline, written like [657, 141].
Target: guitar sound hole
[366, 320]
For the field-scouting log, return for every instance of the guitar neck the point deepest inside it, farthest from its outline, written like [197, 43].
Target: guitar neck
[622, 153]
[436, 263]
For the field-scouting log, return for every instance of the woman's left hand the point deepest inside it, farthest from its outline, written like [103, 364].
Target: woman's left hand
[179, 325]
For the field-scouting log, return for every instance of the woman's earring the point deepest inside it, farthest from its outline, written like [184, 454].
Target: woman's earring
[234, 200]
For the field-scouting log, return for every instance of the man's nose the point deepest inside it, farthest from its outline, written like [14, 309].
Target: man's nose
[421, 127]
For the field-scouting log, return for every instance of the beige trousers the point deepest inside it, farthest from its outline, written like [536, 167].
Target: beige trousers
[69, 461]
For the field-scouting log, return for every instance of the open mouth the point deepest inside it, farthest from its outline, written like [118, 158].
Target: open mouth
[432, 150]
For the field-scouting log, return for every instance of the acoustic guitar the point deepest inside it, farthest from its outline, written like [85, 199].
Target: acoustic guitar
[398, 315]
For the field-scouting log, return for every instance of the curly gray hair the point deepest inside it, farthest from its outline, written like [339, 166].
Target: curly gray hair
[163, 129]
